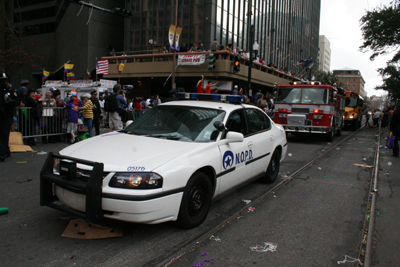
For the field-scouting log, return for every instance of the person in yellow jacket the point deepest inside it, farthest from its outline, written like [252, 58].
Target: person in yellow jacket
[88, 113]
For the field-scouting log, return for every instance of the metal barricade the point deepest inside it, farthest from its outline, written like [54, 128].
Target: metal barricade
[43, 121]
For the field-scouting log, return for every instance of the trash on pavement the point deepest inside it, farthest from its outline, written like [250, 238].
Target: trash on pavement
[319, 168]
[302, 194]
[216, 238]
[290, 154]
[80, 229]
[389, 163]
[251, 209]
[247, 201]
[268, 246]
[3, 210]
[42, 153]
[201, 264]
[349, 259]
[204, 254]
[363, 165]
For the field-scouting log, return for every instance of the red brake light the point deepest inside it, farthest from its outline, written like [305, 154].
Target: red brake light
[317, 111]
[283, 109]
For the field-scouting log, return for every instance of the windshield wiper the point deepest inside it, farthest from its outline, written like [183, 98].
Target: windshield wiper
[169, 137]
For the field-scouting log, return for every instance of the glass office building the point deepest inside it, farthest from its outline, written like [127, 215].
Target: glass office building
[286, 30]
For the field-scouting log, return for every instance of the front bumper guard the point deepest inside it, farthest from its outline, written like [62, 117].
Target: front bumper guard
[305, 129]
[92, 189]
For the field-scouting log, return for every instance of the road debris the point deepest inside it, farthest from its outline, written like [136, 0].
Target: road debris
[268, 246]
[363, 165]
[251, 209]
[216, 238]
[247, 201]
[349, 259]
[201, 264]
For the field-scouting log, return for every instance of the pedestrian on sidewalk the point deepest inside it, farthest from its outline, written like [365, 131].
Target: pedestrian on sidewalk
[367, 118]
[395, 129]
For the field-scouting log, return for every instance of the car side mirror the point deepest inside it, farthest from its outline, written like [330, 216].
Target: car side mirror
[219, 125]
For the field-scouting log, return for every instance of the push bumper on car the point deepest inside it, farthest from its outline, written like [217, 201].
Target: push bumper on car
[91, 190]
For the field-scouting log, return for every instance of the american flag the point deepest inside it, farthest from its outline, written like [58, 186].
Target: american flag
[102, 66]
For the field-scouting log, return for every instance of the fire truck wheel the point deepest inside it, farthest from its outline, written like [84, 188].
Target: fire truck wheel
[329, 136]
[273, 168]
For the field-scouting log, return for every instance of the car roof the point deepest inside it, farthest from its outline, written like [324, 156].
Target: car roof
[228, 107]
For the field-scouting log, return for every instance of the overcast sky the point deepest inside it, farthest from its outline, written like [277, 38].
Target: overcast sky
[340, 23]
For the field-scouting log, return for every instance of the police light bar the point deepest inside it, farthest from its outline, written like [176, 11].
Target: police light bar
[210, 97]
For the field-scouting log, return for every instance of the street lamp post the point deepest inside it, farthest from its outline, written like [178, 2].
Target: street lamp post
[252, 30]
[254, 47]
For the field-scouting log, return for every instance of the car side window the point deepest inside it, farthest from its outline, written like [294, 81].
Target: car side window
[237, 122]
[258, 121]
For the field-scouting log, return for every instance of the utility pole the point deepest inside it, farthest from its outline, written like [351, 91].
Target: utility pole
[174, 56]
[250, 42]
[252, 31]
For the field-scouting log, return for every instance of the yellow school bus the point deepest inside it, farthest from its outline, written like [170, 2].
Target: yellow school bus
[354, 110]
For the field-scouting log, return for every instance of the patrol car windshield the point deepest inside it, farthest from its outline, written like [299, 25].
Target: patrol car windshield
[303, 95]
[184, 123]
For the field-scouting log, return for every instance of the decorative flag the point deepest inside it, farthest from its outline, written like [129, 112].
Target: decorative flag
[102, 66]
[120, 67]
[46, 74]
[171, 35]
[68, 67]
[88, 74]
[177, 34]
[70, 76]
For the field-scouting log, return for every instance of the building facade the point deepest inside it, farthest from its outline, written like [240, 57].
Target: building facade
[56, 32]
[286, 30]
[352, 80]
[324, 54]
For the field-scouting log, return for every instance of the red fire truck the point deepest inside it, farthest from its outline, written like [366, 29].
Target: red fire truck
[310, 107]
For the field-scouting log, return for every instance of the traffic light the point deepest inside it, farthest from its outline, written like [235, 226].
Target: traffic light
[211, 62]
[236, 63]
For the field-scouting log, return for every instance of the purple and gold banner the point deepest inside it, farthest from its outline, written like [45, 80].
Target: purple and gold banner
[177, 35]
[171, 35]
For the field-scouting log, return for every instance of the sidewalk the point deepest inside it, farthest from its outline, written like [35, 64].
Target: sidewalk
[386, 245]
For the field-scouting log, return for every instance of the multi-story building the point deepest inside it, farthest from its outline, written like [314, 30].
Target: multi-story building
[286, 31]
[324, 54]
[351, 79]
[57, 32]
[61, 32]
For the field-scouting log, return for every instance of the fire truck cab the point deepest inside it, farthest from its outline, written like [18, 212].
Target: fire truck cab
[310, 107]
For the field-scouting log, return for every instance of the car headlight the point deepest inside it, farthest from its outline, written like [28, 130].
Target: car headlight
[136, 180]
[56, 166]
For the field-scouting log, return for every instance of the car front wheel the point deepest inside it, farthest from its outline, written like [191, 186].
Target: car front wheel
[273, 168]
[196, 201]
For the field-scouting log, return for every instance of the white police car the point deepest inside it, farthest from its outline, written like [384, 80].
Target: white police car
[168, 165]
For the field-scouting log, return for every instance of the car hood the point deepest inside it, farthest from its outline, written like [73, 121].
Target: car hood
[120, 151]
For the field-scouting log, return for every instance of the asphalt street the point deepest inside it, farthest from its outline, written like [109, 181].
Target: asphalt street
[314, 220]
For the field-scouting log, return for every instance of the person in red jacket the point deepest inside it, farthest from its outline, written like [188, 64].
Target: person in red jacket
[208, 87]
[200, 83]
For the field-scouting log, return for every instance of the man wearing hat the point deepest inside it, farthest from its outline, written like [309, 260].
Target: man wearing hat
[21, 92]
[395, 129]
[8, 102]
[96, 111]
[171, 96]
[235, 90]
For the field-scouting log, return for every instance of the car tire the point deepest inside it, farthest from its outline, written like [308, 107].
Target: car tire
[273, 168]
[196, 201]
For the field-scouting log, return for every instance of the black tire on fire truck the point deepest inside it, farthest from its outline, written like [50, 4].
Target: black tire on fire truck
[273, 168]
[329, 136]
[196, 201]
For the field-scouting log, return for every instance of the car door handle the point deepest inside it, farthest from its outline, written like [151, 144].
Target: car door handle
[271, 137]
[250, 144]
